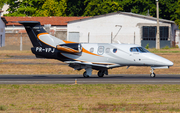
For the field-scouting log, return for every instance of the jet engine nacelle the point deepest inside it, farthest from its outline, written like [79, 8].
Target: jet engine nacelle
[70, 48]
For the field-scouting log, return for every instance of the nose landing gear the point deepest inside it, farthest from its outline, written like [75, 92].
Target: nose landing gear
[152, 75]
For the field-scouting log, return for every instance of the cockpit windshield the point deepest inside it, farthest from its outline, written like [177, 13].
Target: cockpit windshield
[138, 49]
[143, 50]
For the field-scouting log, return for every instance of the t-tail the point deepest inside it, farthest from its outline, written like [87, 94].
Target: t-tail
[33, 28]
[44, 44]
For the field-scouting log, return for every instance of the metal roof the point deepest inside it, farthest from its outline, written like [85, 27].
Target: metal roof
[125, 13]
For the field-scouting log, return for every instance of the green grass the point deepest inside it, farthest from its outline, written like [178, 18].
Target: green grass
[165, 50]
[89, 98]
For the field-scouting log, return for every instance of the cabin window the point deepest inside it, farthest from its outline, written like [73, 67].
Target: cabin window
[107, 50]
[92, 50]
[149, 32]
[114, 50]
[100, 50]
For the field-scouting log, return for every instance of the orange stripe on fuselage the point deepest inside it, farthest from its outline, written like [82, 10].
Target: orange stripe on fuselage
[83, 49]
[68, 42]
[41, 40]
[69, 50]
[41, 34]
[86, 51]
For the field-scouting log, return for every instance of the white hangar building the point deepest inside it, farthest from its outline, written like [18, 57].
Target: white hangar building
[123, 27]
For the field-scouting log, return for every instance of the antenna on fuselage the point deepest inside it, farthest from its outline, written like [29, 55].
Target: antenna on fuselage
[118, 42]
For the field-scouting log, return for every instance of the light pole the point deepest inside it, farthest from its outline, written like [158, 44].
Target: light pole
[157, 34]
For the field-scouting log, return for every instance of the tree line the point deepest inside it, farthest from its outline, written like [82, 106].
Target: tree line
[168, 9]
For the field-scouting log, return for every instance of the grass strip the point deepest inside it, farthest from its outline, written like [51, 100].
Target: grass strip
[89, 98]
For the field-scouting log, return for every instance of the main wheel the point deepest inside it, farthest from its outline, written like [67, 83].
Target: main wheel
[85, 75]
[101, 73]
[152, 75]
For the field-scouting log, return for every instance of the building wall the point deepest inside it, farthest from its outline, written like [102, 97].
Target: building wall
[177, 38]
[174, 34]
[12, 29]
[2, 33]
[101, 29]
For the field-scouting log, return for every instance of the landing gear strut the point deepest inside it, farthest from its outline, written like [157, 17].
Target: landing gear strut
[152, 75]
[85, 75]
[88, 72]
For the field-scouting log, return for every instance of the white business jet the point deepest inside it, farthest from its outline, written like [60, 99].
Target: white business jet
[98, 56]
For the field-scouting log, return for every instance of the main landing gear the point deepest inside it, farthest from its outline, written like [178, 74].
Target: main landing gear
[152, 75]
[88, 73]
[102, 72]
[85, 75]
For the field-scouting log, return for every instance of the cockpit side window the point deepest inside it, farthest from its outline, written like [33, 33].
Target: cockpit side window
[134, 49]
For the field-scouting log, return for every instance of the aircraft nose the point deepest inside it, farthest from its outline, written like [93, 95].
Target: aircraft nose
[159, 61]
[170, 63]
[167, 62]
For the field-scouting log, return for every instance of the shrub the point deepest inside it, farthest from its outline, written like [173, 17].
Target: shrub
[147, 46]
[166, 47]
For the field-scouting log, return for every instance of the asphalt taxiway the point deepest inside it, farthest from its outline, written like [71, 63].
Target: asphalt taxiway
[71, 79]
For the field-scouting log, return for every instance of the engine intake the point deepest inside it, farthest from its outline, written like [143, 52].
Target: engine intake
[70, 48]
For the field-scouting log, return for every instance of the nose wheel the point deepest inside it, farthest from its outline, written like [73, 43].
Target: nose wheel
[152, 75]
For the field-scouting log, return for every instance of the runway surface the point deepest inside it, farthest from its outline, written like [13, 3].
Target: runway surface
[70, 79]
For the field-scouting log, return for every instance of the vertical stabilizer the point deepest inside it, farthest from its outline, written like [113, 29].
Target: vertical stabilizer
[33, 28]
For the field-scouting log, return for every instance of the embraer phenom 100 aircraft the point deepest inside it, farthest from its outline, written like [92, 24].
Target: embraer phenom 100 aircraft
[98, 56]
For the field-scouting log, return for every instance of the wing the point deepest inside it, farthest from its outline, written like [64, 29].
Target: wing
[77, 65]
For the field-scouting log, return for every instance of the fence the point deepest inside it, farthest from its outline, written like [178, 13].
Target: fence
[16, 41]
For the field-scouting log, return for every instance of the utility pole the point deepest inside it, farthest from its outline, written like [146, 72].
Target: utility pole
[88, 36]
[21, 42]
[157, 34]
